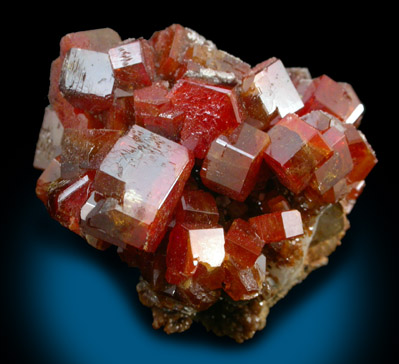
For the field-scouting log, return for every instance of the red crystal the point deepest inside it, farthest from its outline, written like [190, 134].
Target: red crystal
[268, 92]
[197, 207]
[363, 155]
[99, 40]
[296, 149]
[155, 112]
[145, 203]
[337, 166]
[133, 64]
[204, 60]
[49, 175]
[191, 244]
[232, 163]
[87, 80]
[337, 99]
[244, 283]
[121, 115]
[243, 244]
[278, 203]
[278, 226]
[320, 120]
[49, 143]
[69, 116]
[209, 110]
[198, 167]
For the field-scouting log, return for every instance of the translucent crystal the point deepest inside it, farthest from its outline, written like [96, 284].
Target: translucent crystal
[232, 163]
[145, 174]
[87, 80]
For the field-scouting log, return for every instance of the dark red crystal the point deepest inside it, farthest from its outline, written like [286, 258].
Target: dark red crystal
[207, 174]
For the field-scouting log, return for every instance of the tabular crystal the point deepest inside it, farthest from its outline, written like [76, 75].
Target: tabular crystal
[154, 110]
[362, 154]
[337, 166]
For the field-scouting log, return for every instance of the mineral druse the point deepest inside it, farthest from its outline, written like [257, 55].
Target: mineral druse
[225, 184]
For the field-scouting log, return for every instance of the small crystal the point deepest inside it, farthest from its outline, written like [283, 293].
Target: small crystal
[269, 91]
[335, 98]
[49, 143]
[197, 207]
[87, 80]
[233, 161]
[296, 149]
[337, 166]
[191, 244]
[209, 111]
[133, 64]
[278, 226]
[242, 243]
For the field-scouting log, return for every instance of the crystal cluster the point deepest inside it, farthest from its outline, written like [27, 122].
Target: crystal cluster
[197, 166]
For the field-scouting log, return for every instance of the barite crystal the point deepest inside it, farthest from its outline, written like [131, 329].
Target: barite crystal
[225, 184]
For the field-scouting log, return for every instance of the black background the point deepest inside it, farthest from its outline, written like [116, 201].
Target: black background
[355, 45]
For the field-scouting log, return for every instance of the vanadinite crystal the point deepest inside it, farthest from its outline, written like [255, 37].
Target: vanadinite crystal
[225, 184]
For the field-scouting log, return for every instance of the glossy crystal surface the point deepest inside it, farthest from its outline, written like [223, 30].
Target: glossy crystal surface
[145, 173]
[209, 111]
[209, 175]
[338, 99]
[232, 163]
[87, 80]
[277, 226]
[133, 64]
[296, 149]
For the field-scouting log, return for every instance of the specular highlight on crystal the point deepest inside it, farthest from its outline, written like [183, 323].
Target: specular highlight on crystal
[225, 184]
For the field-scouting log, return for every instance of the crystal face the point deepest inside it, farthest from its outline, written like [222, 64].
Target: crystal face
[224, 183]
[145, 173]
[296, 149]
[232, 163]
[209, 111]
[133, 64]
[87, 80]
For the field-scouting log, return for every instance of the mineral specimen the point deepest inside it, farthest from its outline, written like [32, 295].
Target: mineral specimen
[225, 184]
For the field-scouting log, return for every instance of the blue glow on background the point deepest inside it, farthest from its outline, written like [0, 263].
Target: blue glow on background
[74, 308]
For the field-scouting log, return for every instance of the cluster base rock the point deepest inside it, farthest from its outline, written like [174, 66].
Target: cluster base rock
[225, 184]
